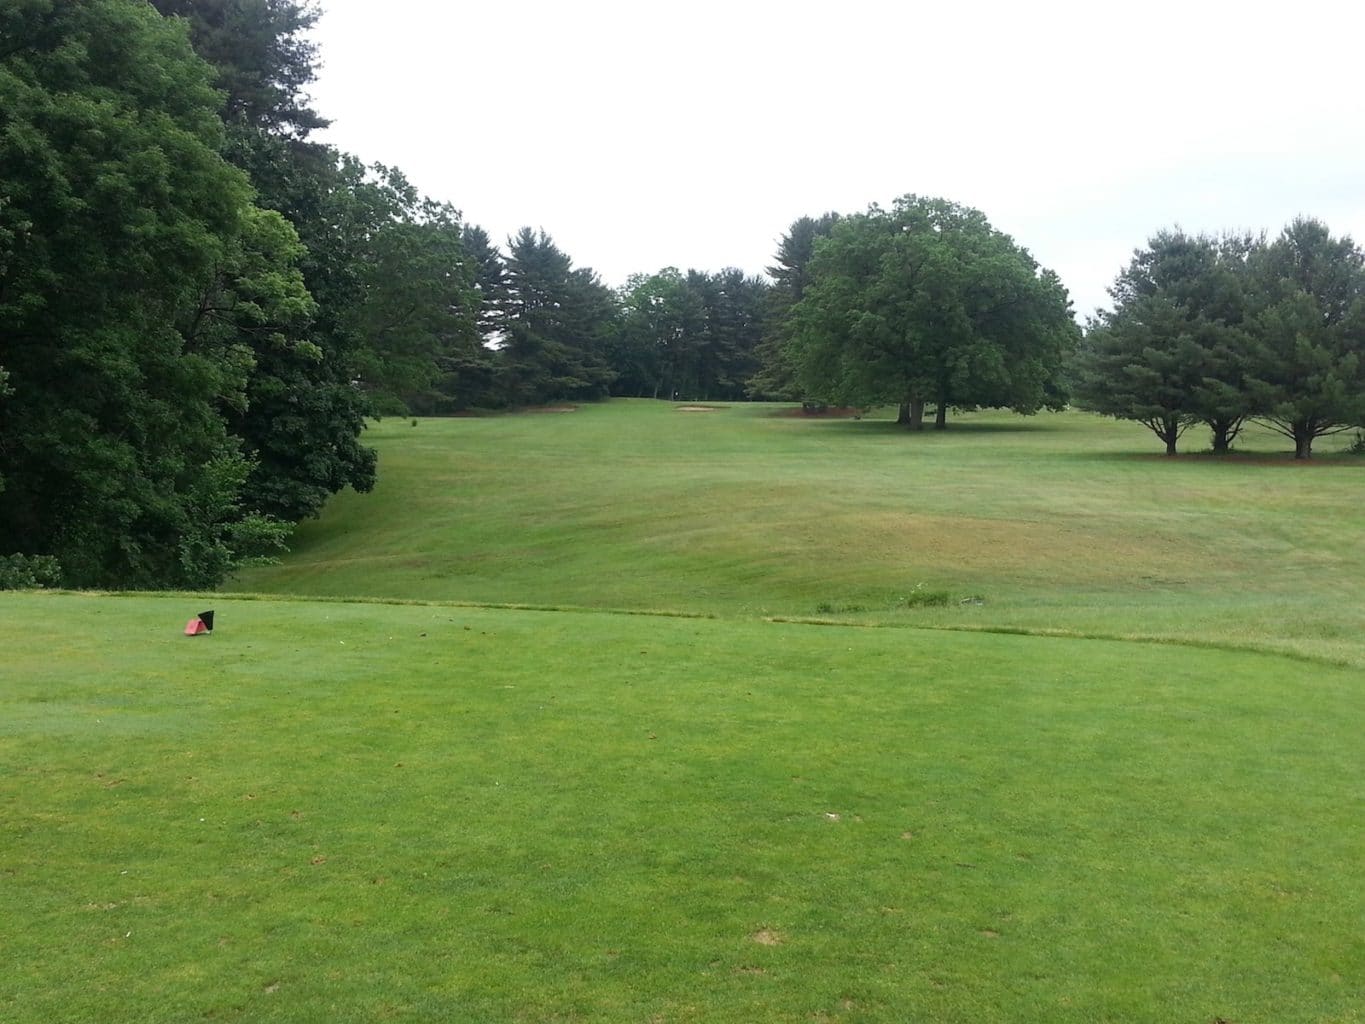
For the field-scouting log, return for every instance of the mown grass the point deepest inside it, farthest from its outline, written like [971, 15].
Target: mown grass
[358, 812]
[422, 807]
[1062, 523]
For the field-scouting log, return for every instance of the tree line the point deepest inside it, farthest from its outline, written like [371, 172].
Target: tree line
[201, 305]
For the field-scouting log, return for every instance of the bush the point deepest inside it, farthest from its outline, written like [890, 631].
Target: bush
[29, 572]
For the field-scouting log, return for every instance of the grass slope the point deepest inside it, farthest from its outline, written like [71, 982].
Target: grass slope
[359, 812]
[1059, 523]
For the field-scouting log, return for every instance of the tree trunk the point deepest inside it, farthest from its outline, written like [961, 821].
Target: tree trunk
[916, 414]
[1169, 432]
[941, 417]
[1225, 431]
[1303, 438]
[903, 415]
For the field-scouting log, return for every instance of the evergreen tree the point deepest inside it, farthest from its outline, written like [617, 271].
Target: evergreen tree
[734, 308]
[490, 282]
[1309, 363]
[776, 375]
[558, 321]
[263, 58]
[1175, 349]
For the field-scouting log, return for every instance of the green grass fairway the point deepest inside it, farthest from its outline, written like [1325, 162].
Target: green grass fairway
[635, 714]
[361, 812]
[1060, 523]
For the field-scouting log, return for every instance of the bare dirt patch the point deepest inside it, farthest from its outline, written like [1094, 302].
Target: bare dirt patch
[767, 937]
[701, 408]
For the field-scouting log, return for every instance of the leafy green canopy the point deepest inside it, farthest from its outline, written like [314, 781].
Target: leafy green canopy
[691, 336]
[116, 213]
[927, 302]
[384, 265]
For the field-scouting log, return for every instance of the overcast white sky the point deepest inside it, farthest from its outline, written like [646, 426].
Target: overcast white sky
[642, 135]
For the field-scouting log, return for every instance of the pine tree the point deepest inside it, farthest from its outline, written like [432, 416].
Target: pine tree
[558, 321]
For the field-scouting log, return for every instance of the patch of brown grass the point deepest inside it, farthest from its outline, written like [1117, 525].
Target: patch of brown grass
[1058, 548]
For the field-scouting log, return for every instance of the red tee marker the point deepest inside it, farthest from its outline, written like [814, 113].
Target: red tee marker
[200, 625]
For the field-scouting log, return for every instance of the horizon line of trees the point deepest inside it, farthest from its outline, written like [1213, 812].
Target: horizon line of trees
[201, 305]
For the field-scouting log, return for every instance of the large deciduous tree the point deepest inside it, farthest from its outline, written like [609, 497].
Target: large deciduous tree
[417, 302]
[116, 210]
[927, 303]
[305, 418]
[691, 336]
[655, 350]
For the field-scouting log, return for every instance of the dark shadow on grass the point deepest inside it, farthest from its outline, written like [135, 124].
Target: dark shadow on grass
[955, 427]
[1280, 459]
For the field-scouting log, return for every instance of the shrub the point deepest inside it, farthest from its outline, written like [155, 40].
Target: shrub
[29, 572]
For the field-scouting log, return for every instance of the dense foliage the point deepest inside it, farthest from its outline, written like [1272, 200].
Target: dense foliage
[688, 336]
[116, 217]
[201, 305]
[924, 303]
[1217, 330]
[776, 377]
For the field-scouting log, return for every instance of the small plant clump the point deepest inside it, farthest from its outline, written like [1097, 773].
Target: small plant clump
[826, 608]
[919, 597]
